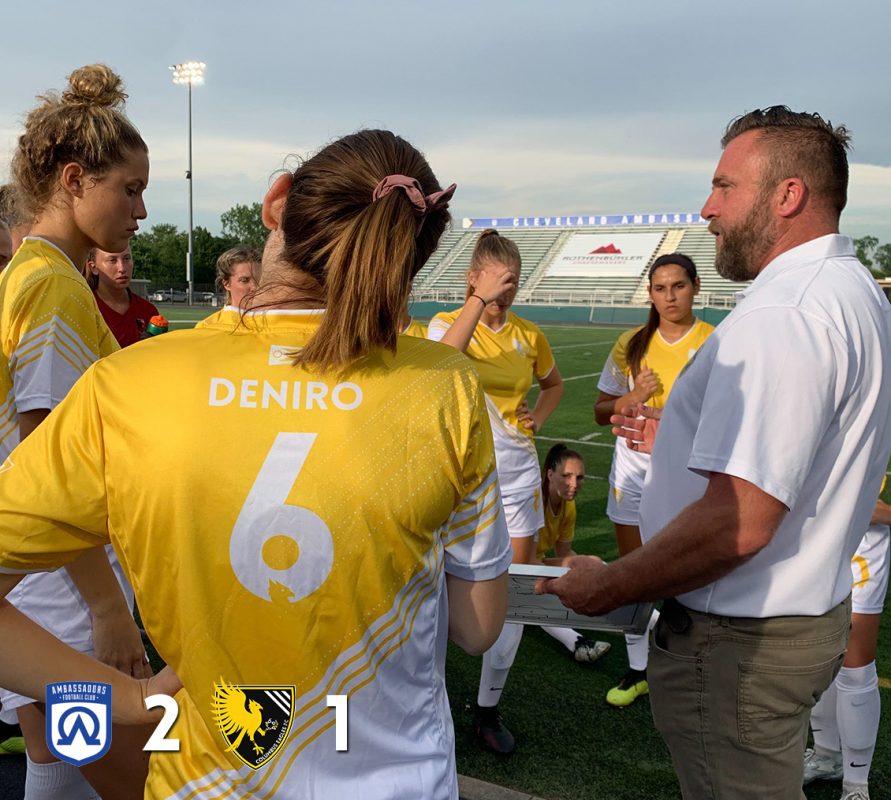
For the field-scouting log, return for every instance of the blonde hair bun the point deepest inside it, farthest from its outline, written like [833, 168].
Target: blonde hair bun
[94, 85]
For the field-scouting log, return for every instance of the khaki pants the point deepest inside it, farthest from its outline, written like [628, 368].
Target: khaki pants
[732, 697]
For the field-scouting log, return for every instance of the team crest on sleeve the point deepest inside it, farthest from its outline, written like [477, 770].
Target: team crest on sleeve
[254, 720]
[78, 721]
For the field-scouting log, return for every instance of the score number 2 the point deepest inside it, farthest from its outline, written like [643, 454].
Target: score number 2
[159, 743]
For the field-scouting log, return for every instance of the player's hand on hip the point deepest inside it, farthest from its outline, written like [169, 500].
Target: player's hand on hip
[578, 588]
[526, 418]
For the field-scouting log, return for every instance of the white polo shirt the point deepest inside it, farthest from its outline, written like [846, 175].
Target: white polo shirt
[792, 392]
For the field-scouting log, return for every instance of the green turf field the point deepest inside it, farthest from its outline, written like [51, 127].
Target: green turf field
[570, 744]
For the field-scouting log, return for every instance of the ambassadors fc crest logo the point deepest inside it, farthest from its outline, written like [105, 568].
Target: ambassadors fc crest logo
[78, 721]
[254, 720]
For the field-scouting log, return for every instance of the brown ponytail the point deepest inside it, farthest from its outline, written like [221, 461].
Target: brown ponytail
[362, 252]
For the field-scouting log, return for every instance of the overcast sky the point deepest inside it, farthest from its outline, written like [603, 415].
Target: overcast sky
[532, 108]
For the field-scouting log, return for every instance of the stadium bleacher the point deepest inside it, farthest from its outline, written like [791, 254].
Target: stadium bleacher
[542, 283]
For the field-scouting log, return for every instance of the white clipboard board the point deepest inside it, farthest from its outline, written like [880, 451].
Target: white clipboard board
[527, 608]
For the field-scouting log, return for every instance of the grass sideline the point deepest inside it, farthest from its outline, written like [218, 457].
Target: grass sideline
[570, 744]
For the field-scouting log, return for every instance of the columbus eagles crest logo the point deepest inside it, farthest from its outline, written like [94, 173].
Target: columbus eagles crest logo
[254, 720]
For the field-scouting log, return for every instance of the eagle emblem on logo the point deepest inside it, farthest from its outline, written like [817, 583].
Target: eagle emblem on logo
[254, 720]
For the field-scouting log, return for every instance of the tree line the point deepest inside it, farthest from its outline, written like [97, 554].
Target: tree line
[159, 254]
[875, 256]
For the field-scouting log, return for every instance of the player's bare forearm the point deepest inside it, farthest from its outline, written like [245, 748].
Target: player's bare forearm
[40, 658]
[548, 399]
[608, 404]
[94, 578]
[476, 612]
[461, 330]
[881, 514]
[116, 638]
[29, 420]
[708, 539]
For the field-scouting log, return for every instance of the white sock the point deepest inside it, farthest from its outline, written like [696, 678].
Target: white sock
[638, 645]
[56, 781]
[497, 661]
[824, 723]
[859, 709]
[566, 636]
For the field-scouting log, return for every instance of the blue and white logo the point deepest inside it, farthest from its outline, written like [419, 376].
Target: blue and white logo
[78, 721]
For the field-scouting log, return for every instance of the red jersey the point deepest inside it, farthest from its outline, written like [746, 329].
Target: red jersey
[129, 327]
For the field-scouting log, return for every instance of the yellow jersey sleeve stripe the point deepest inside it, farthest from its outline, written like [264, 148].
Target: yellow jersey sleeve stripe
[57, 331]
[472, 506]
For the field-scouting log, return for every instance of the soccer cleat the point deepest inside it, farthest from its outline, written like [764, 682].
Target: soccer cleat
[633, 685]
[490, 733]
[13, 746]
[587, 652]
[11, 741]
[818, 767]
[854, 791]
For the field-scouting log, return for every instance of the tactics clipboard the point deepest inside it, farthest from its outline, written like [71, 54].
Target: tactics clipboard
[527, 608]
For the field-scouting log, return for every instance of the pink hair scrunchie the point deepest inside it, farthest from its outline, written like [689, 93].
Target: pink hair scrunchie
[422, 204]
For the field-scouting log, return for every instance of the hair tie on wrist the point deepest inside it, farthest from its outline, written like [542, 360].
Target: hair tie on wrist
[421, 203]
[474, 294]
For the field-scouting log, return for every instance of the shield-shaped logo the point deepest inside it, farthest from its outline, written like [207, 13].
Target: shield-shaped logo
[78, 721]
[254, 720]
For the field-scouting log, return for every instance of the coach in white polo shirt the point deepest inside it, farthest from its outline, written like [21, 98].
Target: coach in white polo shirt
[765, 471]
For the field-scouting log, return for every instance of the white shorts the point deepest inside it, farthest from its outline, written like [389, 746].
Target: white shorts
[51, 600]
[623, 506]
[869, 569]
[524, 514]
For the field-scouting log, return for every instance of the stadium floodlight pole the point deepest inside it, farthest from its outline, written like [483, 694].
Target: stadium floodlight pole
[189, 72]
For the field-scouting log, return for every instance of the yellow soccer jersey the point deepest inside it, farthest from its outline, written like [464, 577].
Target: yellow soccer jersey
[558, 527]
[416, 328]
[50, 332]
[282, 530]
[665, 359]
[507, 360]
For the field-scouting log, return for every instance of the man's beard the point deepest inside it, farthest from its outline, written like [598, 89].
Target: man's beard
[742, 248]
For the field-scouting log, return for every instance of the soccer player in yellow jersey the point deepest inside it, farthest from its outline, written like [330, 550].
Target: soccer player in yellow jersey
[414, 328]
[79, 172]
[562, 474]
[508, 352]
[641, 368]
[265, 579]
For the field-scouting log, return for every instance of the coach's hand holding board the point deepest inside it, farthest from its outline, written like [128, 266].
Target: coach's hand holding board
[578, 588]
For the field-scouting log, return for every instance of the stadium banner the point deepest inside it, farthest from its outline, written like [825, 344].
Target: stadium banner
[584, 221]
[606, 255]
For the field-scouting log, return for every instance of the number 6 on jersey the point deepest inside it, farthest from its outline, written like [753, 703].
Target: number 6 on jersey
[277, 544]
